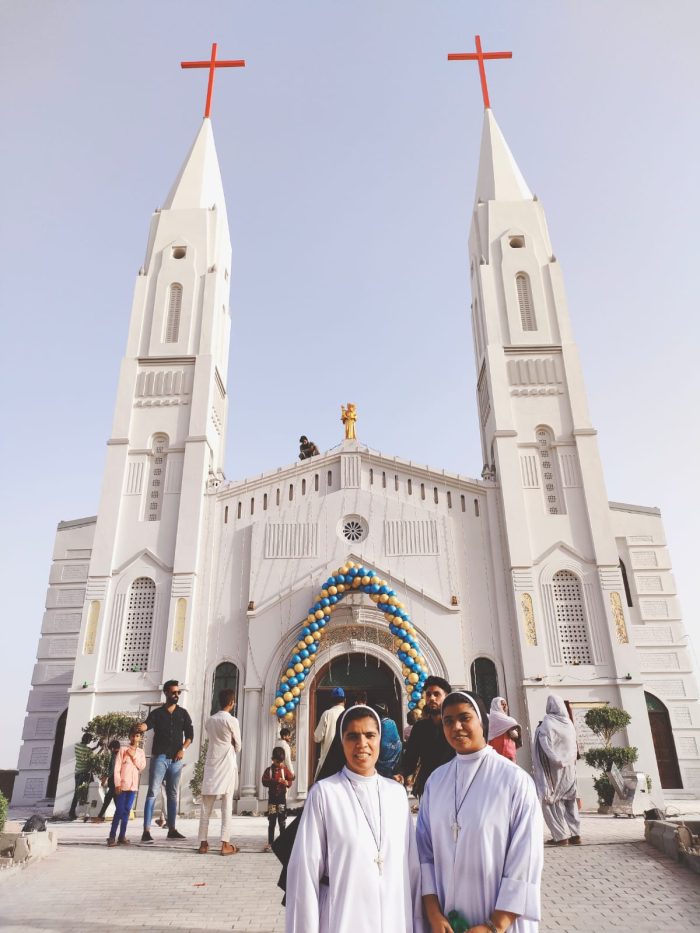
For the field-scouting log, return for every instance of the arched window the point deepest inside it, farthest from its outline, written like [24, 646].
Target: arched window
[225, 678]
[626, 583]
[136, 643]
[156, 482]
[527, 308]
[570, 619]
[172, 329]
[550, 478]
[484, 679]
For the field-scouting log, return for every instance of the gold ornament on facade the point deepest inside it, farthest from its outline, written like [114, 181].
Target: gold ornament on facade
[529, 620]
[348, 415]
[619, 617]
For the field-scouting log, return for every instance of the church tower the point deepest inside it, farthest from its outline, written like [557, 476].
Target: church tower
[540, 448]
[165, 451]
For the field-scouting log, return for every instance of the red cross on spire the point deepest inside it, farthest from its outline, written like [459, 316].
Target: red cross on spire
[479, 56]
[212, 65]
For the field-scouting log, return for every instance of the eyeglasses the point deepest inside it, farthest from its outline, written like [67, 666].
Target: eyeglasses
[173, 693]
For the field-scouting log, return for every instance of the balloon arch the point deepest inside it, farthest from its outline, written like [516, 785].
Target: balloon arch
[349, 578]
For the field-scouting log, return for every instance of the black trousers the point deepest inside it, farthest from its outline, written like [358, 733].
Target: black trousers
[82, 779]
[281, 819]
[109, 797]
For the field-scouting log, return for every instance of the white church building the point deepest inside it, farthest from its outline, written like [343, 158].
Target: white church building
[522, 582]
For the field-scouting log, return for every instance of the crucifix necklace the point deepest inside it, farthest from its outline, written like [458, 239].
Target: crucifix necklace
[455, 824]
[379, 858]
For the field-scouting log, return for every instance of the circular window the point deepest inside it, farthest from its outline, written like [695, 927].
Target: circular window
[353, 528]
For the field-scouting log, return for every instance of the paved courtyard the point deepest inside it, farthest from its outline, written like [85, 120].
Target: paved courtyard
[614, 881]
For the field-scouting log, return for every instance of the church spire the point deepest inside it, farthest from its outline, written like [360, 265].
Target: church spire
[499, 178]
[198, 183]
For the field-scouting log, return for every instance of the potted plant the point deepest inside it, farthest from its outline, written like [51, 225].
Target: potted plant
[606, 722]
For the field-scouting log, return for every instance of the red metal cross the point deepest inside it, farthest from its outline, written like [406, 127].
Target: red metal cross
[479, 56]
[212, 65]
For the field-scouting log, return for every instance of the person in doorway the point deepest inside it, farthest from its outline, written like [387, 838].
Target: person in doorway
[325, 730]
[504, 731]
[427, 747]
[172, 736]
[114, 747]
[83, 774]
[554, 768]
[277, 778]
[220, 771]
[130, 762]
[354, 864]
[411, 719]
[283, 742]
[479, 833]
[390, 746]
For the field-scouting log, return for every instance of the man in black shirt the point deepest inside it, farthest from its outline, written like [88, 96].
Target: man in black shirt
[172, 734]
[427, 748]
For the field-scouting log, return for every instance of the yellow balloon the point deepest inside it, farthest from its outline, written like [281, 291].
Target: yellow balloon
[289, 672]
[306, 663]
[409, 689]
[319, 614]
[356, 582]
[365, 580]
[301, 644]
[374, 580]
[317, 636]
[413, 653]
[405, 671]
[300, 687]
[405, 646]
[398, 604]
[288, 696]
[421, 704]
[350, 565]
[289, 716]
[333, 590]
[295, 691]
[279, 701]
[311, 618]
[392, 600]
[341, 587]
[324, 594]
[298, 668]
[383, 598]
[308, 639]
[343, 570]
[413, 678]
[273, 709]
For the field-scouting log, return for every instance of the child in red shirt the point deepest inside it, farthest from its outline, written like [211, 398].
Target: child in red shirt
[277, 778]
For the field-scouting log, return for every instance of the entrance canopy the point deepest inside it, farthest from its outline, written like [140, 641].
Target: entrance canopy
[350, 578]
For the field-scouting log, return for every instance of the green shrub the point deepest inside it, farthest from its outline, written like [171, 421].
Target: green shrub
[605, 758]
[198, 773]
[105, 729]
[4, 805]
[607, 721]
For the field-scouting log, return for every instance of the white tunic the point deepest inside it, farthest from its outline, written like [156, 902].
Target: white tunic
[220, 767]
[335, 840]
[325, 730]
[496, 862]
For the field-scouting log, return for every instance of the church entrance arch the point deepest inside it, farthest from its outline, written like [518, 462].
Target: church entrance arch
[664, 746]
[363, 677]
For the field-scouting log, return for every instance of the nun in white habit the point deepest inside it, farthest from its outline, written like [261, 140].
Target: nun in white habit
[354, 866]
[554, 767]
[479, 832]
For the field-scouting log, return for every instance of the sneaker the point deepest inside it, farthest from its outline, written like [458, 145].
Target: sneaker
[146, 836]
[111, 842]
[174, 834]
[575, 841]
[123, 842]
[203, 848]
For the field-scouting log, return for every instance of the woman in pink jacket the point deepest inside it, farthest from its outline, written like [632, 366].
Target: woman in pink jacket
[129, 764]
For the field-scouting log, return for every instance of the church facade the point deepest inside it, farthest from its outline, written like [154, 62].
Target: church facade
[522, 582]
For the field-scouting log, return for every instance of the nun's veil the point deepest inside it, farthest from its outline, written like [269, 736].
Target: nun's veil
[335, 759]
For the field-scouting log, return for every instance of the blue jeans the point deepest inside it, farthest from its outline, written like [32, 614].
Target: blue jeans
[168, 770]
[125, 802]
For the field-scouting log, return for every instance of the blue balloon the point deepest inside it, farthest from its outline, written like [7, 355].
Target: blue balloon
[281, 710]
[352, 572]
[313, 627]
[326, 620]
[293, 681]
[416, 695]
[333, 600]
[296, 658]
[329, 582]
[403, 633]
[384, 590]
[325, 602]
[313, 648]
[411, 705]
[375, 587]
[340, 578]
[305, 631]
[288, 707]
[296, 700]
[304, 654]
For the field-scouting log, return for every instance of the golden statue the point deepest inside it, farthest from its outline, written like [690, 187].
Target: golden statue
[349, 416]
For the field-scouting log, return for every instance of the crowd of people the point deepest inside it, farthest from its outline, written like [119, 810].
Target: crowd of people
[353, 859]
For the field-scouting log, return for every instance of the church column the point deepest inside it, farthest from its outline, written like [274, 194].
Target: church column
[249, 750]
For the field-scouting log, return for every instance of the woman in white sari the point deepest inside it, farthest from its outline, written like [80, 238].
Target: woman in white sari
[554, 766]
[479, 833]
[354, 866]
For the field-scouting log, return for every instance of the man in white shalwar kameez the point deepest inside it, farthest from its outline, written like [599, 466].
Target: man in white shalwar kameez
[324, 732]
[220, 771]
[479, 832]
[354, 866]
[554, 767]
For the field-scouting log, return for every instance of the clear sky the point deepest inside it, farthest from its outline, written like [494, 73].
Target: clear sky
[348, 148]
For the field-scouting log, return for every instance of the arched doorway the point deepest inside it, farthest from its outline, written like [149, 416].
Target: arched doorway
[664, 746]
[484, 679]
[356, 673]
[56, 755]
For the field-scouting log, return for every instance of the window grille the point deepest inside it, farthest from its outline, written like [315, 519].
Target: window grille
[158, 460]
[139, 625]
[527, 308]
[571, 619]
[172, 330]
[550, 482]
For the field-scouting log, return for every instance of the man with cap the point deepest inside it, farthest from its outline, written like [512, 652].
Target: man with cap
[427, 748]
[325, 730]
